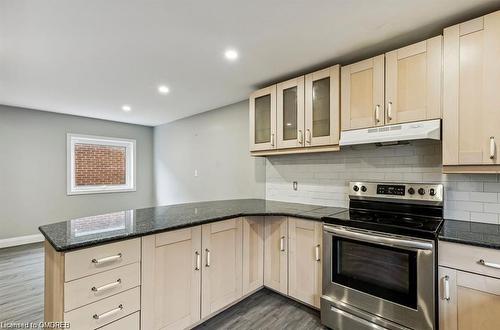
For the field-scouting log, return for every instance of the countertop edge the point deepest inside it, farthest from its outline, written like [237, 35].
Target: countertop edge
[96, 242]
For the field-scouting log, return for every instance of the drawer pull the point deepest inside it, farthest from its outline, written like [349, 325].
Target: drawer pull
[107, 259]
[489, 264]
[282, 243]
[198, 261]
[317, 252]
[447, 288]
[108, 313]
[107, 286]
[207, 263]
[492, 147]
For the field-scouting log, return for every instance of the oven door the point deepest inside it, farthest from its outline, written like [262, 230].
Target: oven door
[388, 276]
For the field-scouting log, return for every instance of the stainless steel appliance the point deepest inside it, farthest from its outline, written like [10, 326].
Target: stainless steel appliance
[379, 269]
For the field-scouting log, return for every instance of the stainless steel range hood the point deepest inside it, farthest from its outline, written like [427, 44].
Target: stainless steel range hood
[392, 134]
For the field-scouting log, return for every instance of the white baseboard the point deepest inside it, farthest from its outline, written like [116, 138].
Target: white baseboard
[21, 240]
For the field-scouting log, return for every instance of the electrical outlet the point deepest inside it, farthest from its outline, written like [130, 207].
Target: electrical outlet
[295, 185]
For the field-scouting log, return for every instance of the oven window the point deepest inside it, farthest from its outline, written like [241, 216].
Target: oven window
[385, 272]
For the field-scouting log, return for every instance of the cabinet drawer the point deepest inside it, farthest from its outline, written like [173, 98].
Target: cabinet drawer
[92, 288]
[104, 311]
[470, 258]
[100, 258]
[130, 322]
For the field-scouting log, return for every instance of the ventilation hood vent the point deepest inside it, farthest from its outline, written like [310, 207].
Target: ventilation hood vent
[384, 135]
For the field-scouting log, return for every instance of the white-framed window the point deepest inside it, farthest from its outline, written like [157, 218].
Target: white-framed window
[98, 164]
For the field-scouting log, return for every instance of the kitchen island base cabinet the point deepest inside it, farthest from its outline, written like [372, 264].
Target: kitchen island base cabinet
[171, 278]
[304, 255]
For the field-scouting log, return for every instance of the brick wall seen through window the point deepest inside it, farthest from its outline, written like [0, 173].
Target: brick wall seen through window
[97, 164]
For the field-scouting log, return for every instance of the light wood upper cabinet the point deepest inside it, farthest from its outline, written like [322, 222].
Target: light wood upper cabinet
[413, 82]
[263, 119]
[304, 258]
[468, 301]
[222, 265]
[171, 279]
[276, 253]
[362, 94]
[322, 107]
[253, 253]
[290, 113]
[471, 102]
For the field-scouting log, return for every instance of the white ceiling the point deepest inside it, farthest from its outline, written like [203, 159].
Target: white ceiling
[89, 57]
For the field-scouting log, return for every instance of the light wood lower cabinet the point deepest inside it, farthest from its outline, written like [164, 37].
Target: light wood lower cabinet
[304, 257]
[222, 265]
[171, 279]
[468, 301]
[276, 253]
[253, 254]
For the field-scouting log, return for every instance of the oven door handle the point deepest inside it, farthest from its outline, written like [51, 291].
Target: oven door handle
[379, 239]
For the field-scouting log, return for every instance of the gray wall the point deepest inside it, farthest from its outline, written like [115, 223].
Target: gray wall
[33, 169]
[216, 144]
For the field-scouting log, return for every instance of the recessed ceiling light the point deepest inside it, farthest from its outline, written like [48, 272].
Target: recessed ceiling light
[126, 108]
[231, 54]
[162, 89]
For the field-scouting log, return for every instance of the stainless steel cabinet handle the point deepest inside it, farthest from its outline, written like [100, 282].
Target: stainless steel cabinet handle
[107, 259]
[207, 264]
[318, 258]
[377, 113]
[282, 243]
[301, 137]
[492, 147]
[198, 260]
[272, 139]
[108, 313]
[446, 288]
[489, 264]
[107, 286]
[308, 136]
[389, 111]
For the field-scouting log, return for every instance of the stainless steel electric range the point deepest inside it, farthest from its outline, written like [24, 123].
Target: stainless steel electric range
[379, 269]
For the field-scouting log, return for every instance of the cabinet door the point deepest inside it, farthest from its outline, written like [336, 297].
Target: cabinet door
[474, 301]
[304, 260]
[413, 82]
[322, 107]
[362, 94]
[290, 113]
[275, 254]
[263, 119]
[222, 265]
[471, 103]
[171, 278]
[447, 281]
[253, 253]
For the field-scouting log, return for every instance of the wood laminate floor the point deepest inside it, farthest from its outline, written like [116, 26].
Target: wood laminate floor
[21, 283]
[21, 298]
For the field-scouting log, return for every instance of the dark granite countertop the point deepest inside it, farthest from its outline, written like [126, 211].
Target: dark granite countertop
[471, 233]
[105, 228]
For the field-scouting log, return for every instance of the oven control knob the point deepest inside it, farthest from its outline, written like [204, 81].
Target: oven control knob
[432, 192]
[411, 191]
[421, 191]
[355, 188]
[363, 188]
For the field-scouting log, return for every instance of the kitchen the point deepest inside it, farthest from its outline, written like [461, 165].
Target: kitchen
[350, 184]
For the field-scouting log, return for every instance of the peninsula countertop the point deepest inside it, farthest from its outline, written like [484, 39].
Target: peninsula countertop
[93, 230]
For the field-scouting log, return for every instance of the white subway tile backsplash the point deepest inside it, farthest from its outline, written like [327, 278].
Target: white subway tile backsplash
[323, 178]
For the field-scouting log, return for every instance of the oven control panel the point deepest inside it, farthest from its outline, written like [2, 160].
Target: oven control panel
[423, 192]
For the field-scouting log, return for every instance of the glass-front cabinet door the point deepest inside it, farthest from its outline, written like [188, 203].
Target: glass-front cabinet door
[290, 113]
[263, 119]
[322, 107]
